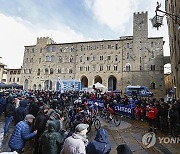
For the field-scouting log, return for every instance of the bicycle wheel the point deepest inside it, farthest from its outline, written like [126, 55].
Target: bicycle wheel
[116, 120]
[97, 124]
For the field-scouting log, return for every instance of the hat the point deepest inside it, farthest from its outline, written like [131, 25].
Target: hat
[29, 116]
[81, 127]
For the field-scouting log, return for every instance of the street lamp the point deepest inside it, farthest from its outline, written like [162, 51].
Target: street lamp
[157, 20]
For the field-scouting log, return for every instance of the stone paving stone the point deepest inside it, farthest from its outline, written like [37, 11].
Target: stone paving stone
[142, 151]
[113, 143]
[119, 141]
[113, 151]
[135, 147]
[137, 136]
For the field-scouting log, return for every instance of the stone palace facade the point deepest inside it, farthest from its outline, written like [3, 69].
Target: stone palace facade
[129, 60]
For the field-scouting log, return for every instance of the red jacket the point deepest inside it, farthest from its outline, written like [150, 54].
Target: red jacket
[152, 112]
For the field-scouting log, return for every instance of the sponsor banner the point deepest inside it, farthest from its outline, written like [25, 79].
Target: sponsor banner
[119, 108]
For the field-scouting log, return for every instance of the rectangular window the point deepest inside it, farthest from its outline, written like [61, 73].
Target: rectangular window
[140, 68]
[94, 67]
[39, 60]
[109, 57]
[127, 55]
[60, 59]
[47, 58]
[101, 46]
[88, 58]
[109, 46]
[152, 67]
[87, 68]
[101, 57]
[127, 45]
[80, 59]
[115, 67]
[53, 49]
[101, 68]
[81, 68]
[60, 49]
[152, 44]
[116, 46]
[108, 67]
[94, 58]
[48, 49]
[40, 50]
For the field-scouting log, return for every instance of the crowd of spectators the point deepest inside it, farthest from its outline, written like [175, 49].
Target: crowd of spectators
[31, 111]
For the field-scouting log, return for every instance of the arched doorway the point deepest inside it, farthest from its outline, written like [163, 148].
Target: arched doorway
[26, 84]
[112, 83]
[97, 78]
[34, 87]
[48, 85]
[84, 82]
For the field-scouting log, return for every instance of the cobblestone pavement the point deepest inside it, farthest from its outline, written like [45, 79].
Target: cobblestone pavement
[130, 132]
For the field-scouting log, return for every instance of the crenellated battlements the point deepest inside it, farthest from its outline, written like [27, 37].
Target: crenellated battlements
[44, 40]
[140, 13]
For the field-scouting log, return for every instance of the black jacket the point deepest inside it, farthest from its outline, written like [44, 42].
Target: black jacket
[9, 109]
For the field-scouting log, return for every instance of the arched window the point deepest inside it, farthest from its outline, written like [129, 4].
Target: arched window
[46, 71]
[71, 59]
[128, 67]
[116, 57]
[51, 71]
[153, 85]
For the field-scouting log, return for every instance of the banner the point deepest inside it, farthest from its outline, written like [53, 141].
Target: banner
[127, 110]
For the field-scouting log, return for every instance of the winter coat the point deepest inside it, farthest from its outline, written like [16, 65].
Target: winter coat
[20, 135]
[74, 144]
[101, 144]
[50, 141]
[40, 123]
[152, 112]
[21, 111]
[9, 109]
[174, 116]
[33, 108]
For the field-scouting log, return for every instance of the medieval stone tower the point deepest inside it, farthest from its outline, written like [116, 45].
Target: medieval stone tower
[130, 60]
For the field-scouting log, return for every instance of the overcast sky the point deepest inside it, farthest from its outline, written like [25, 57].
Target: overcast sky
[22, 21]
